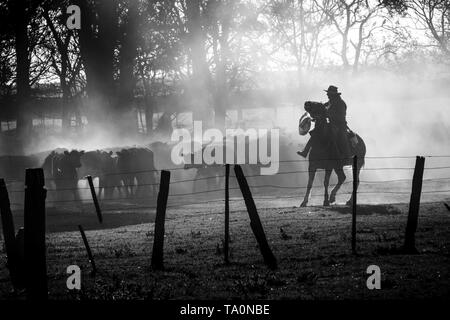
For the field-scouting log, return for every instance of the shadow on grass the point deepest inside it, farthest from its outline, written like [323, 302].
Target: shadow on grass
[62, 219]
[369, 209]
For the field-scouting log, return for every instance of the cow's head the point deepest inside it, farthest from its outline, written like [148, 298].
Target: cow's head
[74, 157]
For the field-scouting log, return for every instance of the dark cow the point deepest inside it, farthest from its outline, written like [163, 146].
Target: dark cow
[206, 175]
[102, 165]
[136, 169]
[61, 169]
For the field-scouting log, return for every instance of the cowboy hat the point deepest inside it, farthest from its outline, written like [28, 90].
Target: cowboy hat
[332, 90]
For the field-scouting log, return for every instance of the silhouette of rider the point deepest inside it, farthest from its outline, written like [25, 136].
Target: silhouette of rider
[336, 113]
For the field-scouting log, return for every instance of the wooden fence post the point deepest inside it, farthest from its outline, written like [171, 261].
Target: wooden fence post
[158, 243]
[9, 236]
[34, 242]
[227, 213]
[255, 222]
[354, 202]
[414, 204]
[88, 250]
[94, 198]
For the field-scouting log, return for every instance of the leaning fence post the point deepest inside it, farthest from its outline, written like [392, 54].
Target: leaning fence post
[354, 194]
[227, 213]
[94, 198]
[255, 222]
[34, 242]
[88, 250]
[9, 235]
[414, 204]
[158, 243]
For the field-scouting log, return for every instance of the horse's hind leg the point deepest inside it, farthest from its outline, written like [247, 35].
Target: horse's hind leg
[326, 183]
[341, 178]
[350, 201]
[311, 175]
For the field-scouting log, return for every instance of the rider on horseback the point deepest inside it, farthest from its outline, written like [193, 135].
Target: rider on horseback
[336, 112]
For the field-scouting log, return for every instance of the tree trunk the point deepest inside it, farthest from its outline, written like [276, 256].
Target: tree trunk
[127, 60]
[221, 96]
[97, 43]
[62, 47]
[24, 118]
[149, 116]
[200, 74]
[344, 50]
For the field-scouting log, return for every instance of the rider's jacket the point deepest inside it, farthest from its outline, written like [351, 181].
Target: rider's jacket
[337, 110]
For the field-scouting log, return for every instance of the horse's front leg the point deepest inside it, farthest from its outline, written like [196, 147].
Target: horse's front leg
[341, 178]
[311, 175]
[326, 183]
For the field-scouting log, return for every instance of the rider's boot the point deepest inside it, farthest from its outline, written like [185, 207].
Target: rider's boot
[303, 153]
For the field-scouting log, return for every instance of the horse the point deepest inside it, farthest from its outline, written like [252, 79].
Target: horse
[323, 154]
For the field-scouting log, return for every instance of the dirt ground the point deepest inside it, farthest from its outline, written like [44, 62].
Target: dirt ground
[312, 246]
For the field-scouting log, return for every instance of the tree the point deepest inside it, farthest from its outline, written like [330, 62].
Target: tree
[433, 15]
[64, 55]
[219, 16]
[161, 59]
[128, 41]
[199, 89]
[7, 53]
[21, 14]
[352, 15]
[298, 26]
[98, 40]
[23, 32]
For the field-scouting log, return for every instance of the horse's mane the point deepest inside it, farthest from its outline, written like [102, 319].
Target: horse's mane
[315, 109]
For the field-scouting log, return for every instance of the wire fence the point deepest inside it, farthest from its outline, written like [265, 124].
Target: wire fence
[218, 175]
[212, 219]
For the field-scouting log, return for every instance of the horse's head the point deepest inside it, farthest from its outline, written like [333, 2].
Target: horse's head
[317, 110]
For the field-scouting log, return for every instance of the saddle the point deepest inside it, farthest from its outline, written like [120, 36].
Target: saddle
[342, 144]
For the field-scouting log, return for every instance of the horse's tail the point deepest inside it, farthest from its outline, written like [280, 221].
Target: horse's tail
[361, 151]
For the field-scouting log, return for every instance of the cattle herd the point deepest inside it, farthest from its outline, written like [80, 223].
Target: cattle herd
[125, 172]
[130, 172]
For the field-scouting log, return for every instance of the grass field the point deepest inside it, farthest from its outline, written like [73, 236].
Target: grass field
[312, 246]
